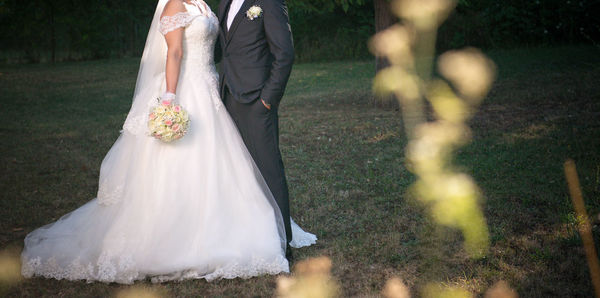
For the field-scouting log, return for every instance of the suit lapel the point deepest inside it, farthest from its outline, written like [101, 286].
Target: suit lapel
[238, 18]
[223, 9]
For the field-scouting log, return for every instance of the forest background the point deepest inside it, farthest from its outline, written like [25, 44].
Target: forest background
[324, 30]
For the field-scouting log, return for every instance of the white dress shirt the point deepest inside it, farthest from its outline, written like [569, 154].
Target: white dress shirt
[233, 10]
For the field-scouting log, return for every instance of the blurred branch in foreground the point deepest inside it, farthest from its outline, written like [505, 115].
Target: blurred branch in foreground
[452, 197]
[583, 223]
[410, 47]
[10, 269]
[311, 278]
[141, 291]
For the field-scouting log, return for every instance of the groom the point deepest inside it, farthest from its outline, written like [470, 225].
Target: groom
[256, 52]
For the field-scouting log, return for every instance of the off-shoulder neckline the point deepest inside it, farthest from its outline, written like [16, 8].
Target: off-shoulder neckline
[204, 10]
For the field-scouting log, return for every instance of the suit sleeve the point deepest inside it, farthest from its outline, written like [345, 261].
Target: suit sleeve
[279, 37]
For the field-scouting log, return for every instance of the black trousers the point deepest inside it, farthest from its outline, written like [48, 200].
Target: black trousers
[259, 128]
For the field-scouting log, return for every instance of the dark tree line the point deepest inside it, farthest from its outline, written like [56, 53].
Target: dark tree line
[49, 30]
[56, 30]
[513, 23]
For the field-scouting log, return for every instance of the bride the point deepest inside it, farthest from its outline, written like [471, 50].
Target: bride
[194, 208]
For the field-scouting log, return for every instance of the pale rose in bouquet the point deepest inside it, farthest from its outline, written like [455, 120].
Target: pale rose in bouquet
[168, 121]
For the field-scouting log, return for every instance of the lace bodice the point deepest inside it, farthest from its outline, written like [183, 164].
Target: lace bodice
[201, 29]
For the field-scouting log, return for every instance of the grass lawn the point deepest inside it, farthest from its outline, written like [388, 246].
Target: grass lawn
[345, 166]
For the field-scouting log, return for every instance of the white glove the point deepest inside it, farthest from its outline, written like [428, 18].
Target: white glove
[170, 96]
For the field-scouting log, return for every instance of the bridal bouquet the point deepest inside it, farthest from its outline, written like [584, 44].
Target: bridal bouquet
[168, 121]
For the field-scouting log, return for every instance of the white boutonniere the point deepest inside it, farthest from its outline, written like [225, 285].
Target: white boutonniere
[254, 12]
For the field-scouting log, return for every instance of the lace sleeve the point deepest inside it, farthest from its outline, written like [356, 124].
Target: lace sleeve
[170, 23]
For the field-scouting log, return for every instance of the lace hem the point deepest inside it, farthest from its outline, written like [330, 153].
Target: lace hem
[178, 20]
[122, 270]
[309, 240]
[108, 269]
[256, 267]
[300, 238]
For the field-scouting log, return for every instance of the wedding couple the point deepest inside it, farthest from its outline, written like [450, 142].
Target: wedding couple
[213, 204]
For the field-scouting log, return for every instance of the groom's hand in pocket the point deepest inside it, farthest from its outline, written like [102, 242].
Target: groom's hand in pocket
[268, 106]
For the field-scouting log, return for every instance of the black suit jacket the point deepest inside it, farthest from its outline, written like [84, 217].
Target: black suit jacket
[256, 55]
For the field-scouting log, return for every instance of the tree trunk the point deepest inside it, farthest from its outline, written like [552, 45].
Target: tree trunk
[52, 33]
[384, 18]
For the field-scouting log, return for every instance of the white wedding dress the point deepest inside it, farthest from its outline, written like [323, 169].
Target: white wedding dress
[194, 208]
